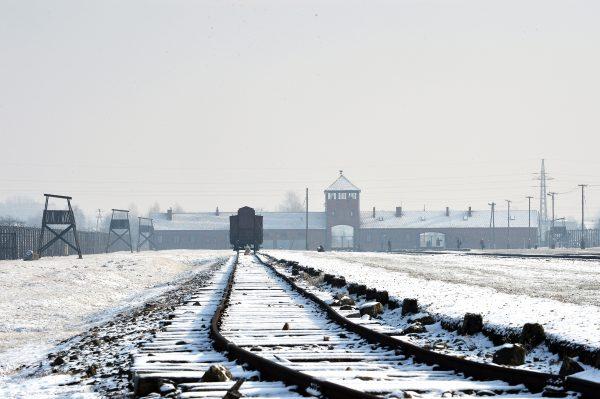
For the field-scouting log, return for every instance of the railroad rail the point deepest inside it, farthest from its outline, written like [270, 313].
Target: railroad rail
[499, 254]
[279, 340]
[182, 353]
[534, 380]
[270, 324]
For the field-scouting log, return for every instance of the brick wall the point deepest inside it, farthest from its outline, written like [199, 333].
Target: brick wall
[377, 239]
[366, 239]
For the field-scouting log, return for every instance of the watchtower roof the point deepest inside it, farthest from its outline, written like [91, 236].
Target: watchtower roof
[342, 184]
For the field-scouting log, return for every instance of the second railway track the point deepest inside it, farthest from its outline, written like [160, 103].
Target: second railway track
[267, 324]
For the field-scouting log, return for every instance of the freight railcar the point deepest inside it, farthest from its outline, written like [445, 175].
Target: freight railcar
[246, 229]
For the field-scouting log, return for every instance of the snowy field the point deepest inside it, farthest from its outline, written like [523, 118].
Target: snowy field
[543, 251]
[562, 295]
[46, 301]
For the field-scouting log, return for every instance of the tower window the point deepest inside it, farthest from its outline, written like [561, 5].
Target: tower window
[330, 196]
[342, 195]
[352, 195]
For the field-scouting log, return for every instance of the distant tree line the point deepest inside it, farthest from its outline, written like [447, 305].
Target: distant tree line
[291, 202]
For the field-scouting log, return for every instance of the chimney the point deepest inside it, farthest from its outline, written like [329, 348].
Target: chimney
[217, 212]
[447, 211]
[373, 212]
[170, 214]
[398, 211]
[469, 212]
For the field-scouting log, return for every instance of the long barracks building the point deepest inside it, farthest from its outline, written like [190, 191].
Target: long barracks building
[343, 226]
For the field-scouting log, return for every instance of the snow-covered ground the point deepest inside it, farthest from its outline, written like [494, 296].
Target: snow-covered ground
[509, 292]
[542, 251]
[45, 301]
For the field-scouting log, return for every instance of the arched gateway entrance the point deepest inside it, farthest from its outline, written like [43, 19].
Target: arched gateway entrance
[342, 236]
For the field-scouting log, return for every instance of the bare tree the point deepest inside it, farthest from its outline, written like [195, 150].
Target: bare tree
[80, 219]
[177, 208]
[11, 221]
[291, 203]
[22, 210]
[155, 208]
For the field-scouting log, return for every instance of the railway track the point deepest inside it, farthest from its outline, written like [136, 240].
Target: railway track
[251, 315]
[174, 362]
[552, 384]
[273, 327]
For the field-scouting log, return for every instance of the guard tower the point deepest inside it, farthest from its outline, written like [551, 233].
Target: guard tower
[342, 207]
[145, 233]
[53, 217]
[119, 226]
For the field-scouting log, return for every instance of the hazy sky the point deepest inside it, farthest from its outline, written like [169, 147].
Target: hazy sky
[206, 103]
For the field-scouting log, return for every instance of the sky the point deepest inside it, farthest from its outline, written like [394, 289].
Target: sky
[231, 103]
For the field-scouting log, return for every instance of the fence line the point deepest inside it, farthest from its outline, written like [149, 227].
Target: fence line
[572, 238]
[15, 241]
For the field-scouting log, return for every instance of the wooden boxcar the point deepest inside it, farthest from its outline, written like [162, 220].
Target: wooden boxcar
[246, 229]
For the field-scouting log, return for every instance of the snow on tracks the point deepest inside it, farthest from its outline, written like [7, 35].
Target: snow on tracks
[507, 292]
[269, 319]
[183, 352]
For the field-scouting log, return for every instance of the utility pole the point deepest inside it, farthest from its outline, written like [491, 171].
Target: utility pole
[508, 229]
[543, 211]
[98, 217]
[552, 243]
[306, 238]
[493, 223]
[582, 215]
[97, 235]
[529, 197]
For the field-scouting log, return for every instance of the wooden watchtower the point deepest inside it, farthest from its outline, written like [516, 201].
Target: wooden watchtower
[54, 217]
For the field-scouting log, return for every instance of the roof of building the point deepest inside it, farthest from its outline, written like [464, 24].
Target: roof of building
[342, 184]
[212, 221]
[439, 220]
